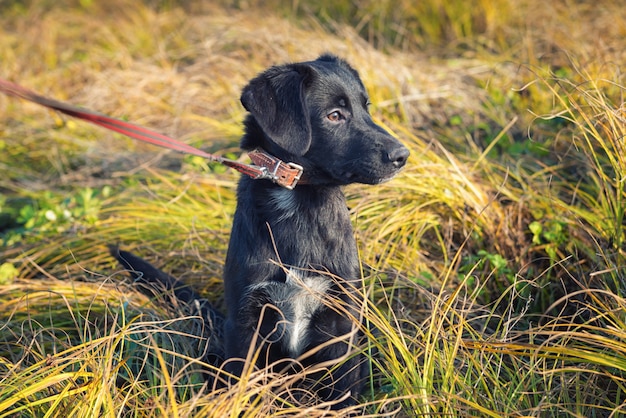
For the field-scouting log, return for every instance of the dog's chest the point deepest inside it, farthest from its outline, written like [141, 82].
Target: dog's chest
[285, 204]
[298, 299]
[311, 230]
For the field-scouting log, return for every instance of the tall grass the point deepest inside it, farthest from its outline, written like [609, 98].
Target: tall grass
[493, 264]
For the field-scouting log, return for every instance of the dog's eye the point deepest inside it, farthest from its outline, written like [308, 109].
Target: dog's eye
[335, 116]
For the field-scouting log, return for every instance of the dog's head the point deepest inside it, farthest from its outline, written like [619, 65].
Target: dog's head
[316, 114]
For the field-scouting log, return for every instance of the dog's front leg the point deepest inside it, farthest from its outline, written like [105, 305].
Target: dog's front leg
[254, 331]
[346, 378]
[236, 346]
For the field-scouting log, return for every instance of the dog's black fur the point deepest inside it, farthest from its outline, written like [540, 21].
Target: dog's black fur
[292, 266]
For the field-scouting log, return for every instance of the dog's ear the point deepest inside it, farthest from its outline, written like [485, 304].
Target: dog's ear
[276, 100]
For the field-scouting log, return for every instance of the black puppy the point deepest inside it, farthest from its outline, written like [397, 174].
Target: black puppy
[294, 250]
[292, 269]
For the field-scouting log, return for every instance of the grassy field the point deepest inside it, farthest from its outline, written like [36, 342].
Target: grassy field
[494, 265]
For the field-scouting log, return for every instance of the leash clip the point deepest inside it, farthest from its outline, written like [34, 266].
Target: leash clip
[271, 168]
[286, 177]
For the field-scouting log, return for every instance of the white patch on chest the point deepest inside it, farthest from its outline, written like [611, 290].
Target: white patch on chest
[298, 299]
[307, 294]
[285, 202]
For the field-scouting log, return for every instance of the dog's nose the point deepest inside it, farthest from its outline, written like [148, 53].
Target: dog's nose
[398, 156]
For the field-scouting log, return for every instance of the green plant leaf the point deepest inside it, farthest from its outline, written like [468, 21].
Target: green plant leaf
[8, 273]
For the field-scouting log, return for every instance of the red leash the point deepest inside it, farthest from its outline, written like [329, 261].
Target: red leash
[265, 165]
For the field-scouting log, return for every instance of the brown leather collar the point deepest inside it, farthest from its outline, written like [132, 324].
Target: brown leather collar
[284, 174]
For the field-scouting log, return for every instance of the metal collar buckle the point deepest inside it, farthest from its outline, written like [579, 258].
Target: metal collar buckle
[296, 177]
